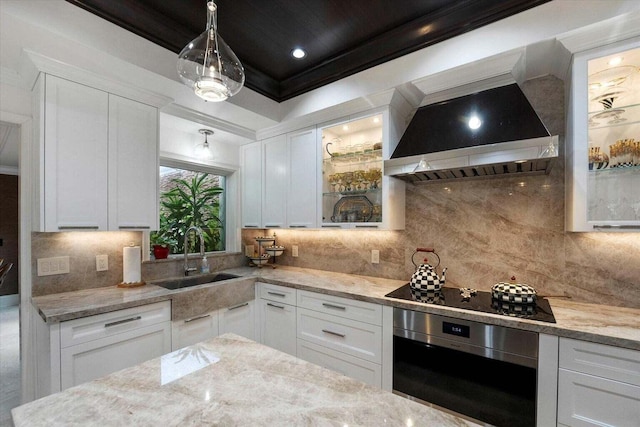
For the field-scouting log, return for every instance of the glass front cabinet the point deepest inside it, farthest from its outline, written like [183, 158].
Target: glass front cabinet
[354, 191]
[604, 140]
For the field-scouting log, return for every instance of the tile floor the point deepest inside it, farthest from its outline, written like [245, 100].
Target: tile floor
[9, 363]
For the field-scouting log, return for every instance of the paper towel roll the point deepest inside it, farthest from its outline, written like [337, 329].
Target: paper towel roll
[131, 264]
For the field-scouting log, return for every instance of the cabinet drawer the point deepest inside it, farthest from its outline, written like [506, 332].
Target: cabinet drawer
[585, 400]
[278, 293]
[90, 328]
[194, 330]
[358, 339]
[362, 370]
[601, 360]
[343, 307]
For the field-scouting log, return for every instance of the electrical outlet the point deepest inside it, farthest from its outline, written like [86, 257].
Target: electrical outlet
[375, 256]
[51, 266]
[294, 251]
[102, 262]
[248, 250]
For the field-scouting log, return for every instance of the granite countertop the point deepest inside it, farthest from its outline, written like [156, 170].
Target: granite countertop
[590, 322]
[228, 380]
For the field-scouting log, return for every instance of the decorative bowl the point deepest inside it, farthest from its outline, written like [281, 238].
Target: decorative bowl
[274, 250]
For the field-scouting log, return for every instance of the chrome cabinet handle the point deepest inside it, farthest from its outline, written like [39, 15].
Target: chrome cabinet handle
[277, 294]
[120, 322]
[619, 227]
[250, 226]
[271, 226]
[337, 307]
[331, 226]
[275, 306]
[337, 334]
[133, 227]
[238, 306]
[366, 226]
[297, 226]
[197, 318]
[78, 227]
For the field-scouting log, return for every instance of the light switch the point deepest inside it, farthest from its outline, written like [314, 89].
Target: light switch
[375, 256]
[248, 250]
[294, 250]
[51, 266]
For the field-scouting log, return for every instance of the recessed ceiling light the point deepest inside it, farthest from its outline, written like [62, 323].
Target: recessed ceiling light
[376, 120]
[298, 53]
[345, 128]
[474, 122]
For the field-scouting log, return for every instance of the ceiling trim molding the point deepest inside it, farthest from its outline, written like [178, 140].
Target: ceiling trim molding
[180, 161]
[186, 113]
[33, 63]
[609, 31]
[9, 170]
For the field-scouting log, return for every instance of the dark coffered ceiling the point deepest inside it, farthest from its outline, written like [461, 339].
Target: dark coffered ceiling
[341, 37]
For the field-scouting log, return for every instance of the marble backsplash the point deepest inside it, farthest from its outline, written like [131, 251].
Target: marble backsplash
[82, 248]
[486, 231]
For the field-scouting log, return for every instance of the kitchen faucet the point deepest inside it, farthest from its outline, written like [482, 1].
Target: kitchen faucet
[198, 231]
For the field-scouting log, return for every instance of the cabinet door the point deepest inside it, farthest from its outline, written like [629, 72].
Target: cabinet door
[75, 156]
[301, 198]
[194, 330]
[252, 185]
[94, 359]
[603, 151]
[278, 323]
[275, 175]
[239, 319]
[133, 165]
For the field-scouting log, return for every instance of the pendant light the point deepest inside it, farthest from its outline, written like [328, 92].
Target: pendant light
[208, 65]
[203, 151]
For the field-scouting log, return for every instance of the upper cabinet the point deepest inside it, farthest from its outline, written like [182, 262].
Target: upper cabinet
[96, 157]
[279, 181]
[354, 191]
[604, 140]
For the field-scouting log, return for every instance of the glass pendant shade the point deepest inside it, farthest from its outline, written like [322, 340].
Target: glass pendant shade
[209, 66]
[203, 151]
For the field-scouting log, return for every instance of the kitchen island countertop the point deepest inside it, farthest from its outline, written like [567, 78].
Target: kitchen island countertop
[228, 381]
[590, 322]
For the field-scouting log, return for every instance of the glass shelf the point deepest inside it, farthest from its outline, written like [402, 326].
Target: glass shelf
[616, 171]
[368, 191]
[625, 115]
[354, 159]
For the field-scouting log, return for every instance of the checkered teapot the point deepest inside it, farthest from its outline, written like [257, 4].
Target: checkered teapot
[425, 278]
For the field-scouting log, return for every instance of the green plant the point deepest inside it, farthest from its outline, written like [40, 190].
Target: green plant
[193, 202]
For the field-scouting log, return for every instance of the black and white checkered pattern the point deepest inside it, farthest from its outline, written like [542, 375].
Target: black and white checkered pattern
[426, 279]
[513, 293]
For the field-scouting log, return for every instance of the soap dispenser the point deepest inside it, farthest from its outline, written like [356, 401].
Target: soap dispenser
[204, 265]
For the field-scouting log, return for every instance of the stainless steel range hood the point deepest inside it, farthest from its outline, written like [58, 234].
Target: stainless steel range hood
[485, 134]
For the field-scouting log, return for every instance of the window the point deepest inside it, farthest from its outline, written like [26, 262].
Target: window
[191, 198]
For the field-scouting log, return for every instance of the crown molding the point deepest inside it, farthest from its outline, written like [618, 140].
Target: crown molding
[206, 120]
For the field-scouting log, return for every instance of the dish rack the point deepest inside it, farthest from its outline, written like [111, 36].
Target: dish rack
[265, 253]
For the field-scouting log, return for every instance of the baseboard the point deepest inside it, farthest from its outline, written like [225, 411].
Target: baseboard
[9, 300]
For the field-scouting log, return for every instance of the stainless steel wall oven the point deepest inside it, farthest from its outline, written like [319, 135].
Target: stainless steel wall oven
[484, 372]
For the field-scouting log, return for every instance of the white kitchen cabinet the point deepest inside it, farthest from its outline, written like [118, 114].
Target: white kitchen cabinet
[74, 163]
[301, 197]
[341, 334]
[277, 317]
[251, 158]
[353, 190]
[194, 330]
[597, 385]
[275, 176]
[94, 346]
[133, 165]
[603, 152]
[97, 159]
[239, 319]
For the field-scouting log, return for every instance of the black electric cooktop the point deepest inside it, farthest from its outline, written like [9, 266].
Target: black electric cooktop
[481, 301]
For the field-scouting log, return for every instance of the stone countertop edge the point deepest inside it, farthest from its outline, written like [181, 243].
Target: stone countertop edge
[228, 380]
[601, 324]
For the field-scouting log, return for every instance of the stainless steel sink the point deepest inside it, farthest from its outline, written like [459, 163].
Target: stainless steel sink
[194, 281]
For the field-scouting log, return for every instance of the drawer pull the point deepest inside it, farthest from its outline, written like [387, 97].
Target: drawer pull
[134, 227]
[337, 334]
[617, 227]
[276, 294]
[197, 318]
[275, 306]
[238, 306]
[272, 226]
[337, 307]
[120, 322]
[366, 226]
[331, 226]
[78, 227]
[297, 226]
[250, 226]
